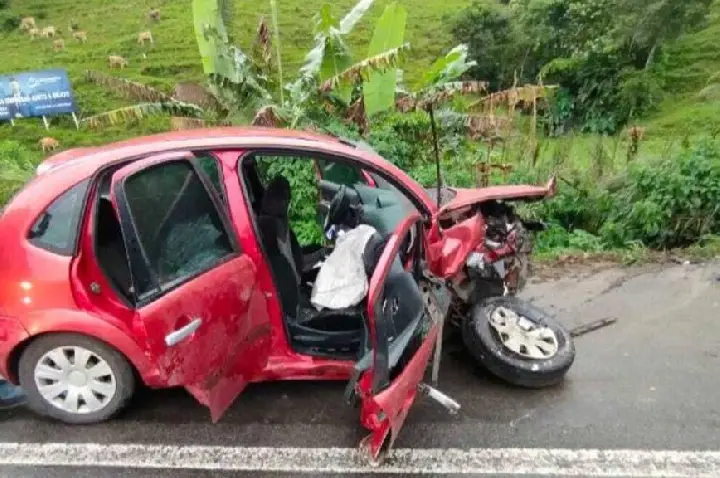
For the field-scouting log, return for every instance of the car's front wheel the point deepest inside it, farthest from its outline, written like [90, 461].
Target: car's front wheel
[518, 342]
[75, 379]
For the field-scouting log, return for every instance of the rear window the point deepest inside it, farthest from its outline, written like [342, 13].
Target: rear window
[56, 229]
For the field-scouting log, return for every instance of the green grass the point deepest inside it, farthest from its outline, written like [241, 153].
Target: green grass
[688, 64]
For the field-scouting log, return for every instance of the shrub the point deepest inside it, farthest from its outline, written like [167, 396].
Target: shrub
[16, 166]
[9, 22]
[671, 203]
[662, 204]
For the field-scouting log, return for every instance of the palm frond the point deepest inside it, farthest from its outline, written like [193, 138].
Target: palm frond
[361, 70]
[127, 88]
[142, 110]
[439, 94]
[512, 96]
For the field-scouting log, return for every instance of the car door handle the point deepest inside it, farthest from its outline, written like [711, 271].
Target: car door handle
[177, 336]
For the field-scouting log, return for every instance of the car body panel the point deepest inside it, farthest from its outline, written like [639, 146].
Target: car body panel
[468, 197]
[383, 412]
[446, 254]
[12, 333]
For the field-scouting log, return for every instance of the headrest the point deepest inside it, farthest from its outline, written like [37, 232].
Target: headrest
[276, 198]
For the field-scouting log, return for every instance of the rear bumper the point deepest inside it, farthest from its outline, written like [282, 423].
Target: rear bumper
[11, 334]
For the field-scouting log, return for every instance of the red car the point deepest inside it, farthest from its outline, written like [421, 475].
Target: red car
[160, 260]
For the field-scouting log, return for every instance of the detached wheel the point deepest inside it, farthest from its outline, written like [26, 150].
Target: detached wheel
[518, 342]
[75, 379]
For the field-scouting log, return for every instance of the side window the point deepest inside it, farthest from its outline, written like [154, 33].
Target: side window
[339, 173]
[56, 229]
[177, 224]
[209, 165]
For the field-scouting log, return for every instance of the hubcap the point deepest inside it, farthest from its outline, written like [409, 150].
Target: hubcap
[522, 336]
[75, 379]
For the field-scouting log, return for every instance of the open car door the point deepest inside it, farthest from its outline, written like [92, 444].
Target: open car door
[405, 312]
[193, 290]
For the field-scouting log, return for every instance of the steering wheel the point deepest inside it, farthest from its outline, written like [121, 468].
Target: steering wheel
[338, 208]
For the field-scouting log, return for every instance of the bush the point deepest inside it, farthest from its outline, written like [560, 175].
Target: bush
[16, 166]
[669, 204]
[9, 22]
[402, 138]
[661, 204]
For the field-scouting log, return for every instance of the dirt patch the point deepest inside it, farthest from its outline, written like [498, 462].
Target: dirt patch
[586, 264]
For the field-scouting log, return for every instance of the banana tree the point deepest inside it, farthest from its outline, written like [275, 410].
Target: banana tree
[328, 73]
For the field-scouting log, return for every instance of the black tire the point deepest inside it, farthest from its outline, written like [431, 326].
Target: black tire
[121, 369]
[483, 344]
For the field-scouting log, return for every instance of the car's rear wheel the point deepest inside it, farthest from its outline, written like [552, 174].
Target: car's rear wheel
[75, 379]
[518, 342]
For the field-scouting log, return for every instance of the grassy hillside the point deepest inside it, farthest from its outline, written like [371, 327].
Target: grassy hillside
[687, 66]
[113, 25]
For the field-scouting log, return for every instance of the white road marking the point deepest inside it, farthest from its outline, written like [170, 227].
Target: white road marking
[478, 461]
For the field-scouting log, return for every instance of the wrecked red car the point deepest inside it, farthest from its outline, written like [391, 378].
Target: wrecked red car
[170, 260]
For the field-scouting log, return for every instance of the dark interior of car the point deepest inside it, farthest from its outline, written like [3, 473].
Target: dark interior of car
[109, 245]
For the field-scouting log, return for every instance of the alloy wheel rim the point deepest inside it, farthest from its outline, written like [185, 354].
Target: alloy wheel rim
[75, 380]
[522, 336]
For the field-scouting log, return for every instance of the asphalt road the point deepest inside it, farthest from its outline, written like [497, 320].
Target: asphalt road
[648, 384]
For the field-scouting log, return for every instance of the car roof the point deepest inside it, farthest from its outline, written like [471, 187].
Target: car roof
[61, 171]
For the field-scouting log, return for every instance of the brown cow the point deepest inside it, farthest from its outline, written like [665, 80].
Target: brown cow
[48, 143]
[117, 61]
[145, 36]
[27, 23]
[59, 44]
[48, 32]
[80, 36]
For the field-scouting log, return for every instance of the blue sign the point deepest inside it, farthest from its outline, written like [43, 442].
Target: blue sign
[35, 93]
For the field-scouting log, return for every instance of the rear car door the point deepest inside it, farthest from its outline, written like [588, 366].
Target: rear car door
[405, 313]
[193, 287]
